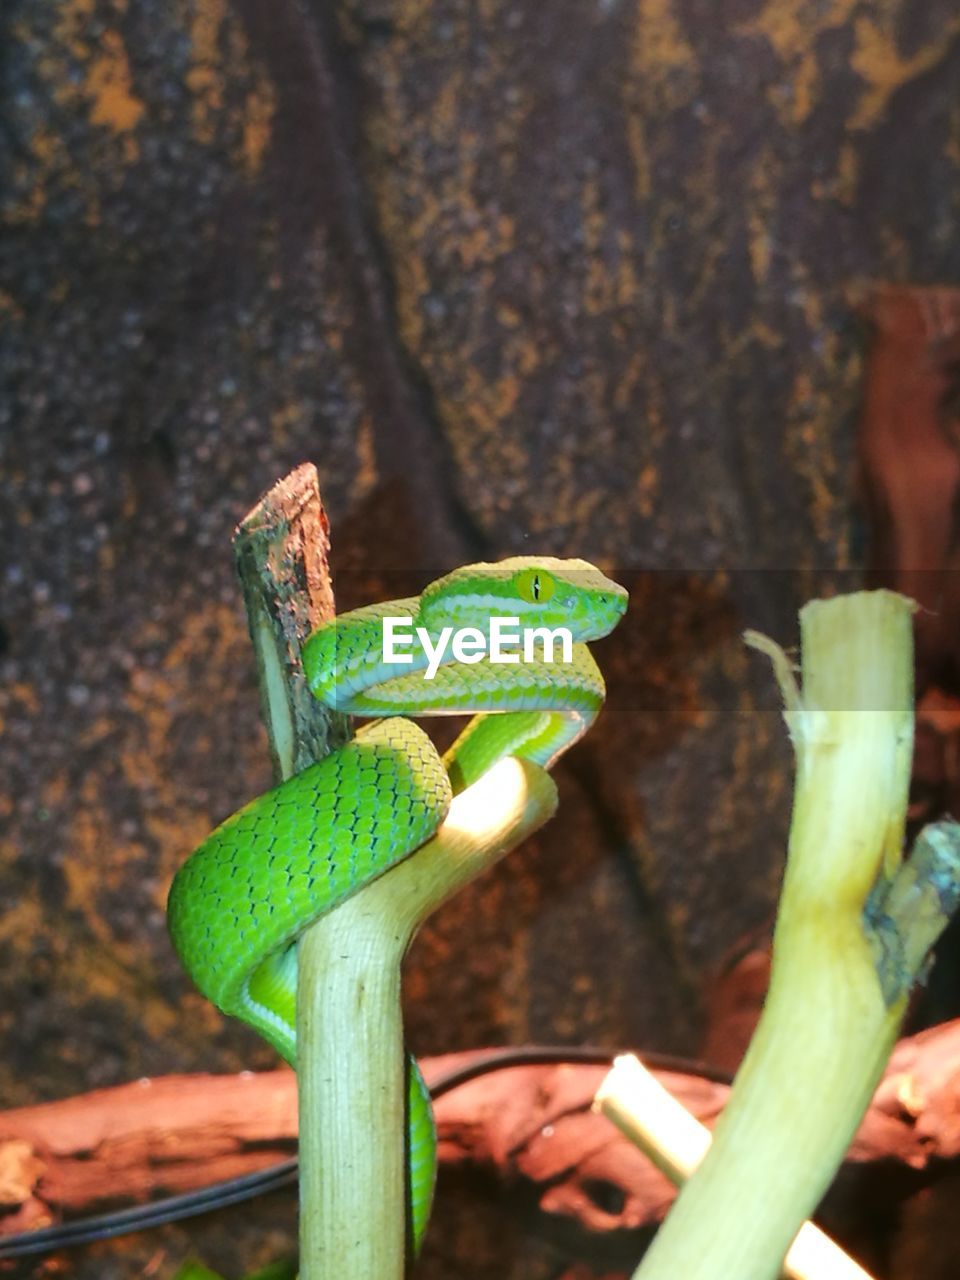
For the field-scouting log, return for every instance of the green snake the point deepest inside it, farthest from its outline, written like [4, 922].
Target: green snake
[239, 903]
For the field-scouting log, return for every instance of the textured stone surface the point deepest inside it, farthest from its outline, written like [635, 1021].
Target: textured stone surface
[516, 276]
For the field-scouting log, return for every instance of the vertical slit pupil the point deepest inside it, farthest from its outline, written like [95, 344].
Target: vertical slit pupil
[536, 587]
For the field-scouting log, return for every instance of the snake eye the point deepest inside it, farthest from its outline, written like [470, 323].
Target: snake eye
[535, 586]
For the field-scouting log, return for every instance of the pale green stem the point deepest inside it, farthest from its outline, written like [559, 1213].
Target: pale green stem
[350, 1067]
[829, 1023]
[352, 1092]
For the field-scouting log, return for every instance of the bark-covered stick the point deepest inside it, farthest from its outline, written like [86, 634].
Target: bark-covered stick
[350, 1063]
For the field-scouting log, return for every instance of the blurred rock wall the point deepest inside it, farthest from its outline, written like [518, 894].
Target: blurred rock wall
[572, 277]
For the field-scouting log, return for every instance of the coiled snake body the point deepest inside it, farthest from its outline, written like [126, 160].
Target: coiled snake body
[239, 903]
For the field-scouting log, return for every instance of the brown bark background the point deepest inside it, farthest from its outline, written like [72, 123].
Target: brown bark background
[529, 1128]
[517, 276]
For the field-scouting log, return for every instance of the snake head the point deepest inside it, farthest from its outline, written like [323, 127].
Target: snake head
[540, 590]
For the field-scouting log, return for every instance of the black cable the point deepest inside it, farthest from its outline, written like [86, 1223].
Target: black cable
[140, 1217]
[235, 1190]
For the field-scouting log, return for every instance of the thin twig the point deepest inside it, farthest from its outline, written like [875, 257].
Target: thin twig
[645, 1112]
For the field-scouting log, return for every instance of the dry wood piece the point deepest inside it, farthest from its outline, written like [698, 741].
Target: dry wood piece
[138, 1141]
[281, 549]
[156, 1137]
[909, 458]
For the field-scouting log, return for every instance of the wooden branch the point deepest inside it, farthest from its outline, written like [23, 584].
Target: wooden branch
[349, 1041]
[909, 461]
[133, 1143]
[281, 549]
